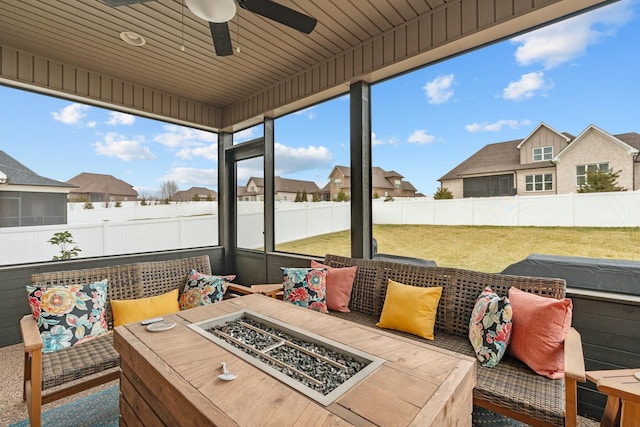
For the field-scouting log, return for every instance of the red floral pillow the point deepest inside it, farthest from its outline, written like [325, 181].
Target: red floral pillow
[306, 287]
[490, 327]
[339, 285]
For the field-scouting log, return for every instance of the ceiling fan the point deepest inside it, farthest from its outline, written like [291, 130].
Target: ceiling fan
[219, 12]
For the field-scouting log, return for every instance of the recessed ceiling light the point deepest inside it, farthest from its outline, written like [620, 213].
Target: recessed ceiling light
[132, 38]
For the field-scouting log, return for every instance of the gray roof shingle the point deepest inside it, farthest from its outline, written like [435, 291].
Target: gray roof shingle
[19, 174]
[505, 157]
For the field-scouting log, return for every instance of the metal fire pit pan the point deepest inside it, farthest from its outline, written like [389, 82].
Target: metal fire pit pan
[372, 362]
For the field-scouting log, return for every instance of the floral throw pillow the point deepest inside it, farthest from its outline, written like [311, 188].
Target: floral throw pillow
[306, 287]
[68, 315]
[490, 327]
[203, 289]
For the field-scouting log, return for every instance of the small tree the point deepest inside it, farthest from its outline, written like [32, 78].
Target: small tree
[303, 197]
[598, 181]
[168, 190]
[376, 195]
[106, 200]
[88, 204]
[209, 197]
[64, 240]
[442, 193]
[298, 197]
[315, 198]
[342, 197]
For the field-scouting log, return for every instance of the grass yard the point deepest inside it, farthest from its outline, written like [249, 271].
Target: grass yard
[479, 248]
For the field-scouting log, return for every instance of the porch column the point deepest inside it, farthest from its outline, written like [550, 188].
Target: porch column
[360, 124]
[226, 205]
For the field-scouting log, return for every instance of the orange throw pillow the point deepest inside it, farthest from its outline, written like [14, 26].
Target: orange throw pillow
[339, 285]
[540, 325]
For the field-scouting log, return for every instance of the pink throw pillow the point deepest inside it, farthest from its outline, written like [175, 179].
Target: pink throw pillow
[540, 325]
[339, 285]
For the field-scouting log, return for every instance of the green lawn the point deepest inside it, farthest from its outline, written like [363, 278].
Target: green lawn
[489, 249]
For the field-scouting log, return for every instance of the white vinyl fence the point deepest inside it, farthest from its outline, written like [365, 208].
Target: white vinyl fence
[133, 228]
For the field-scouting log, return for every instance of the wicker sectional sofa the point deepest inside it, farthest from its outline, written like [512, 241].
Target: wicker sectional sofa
[511, 388]
[95, 362]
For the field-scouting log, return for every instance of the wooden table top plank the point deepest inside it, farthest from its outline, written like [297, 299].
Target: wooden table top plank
[382, 406]
[403, 384]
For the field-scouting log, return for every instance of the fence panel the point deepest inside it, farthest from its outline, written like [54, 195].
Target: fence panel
[131, 229]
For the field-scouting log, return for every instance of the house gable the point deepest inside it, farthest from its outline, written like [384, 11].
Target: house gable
[595, 147]
[545, 140]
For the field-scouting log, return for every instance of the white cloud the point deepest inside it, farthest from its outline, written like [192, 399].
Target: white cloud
[496, 126]
[378, 141]
[420, 136]
[439, 89]
[71, 114]
[569, 39]
[189, 177]
[209, 152]
[526, 87]
[309, 113]
[91, 124]
[117, 118]
[182, 137]
[250, 168]
[127, 149]
[295, 159]
[244, 135]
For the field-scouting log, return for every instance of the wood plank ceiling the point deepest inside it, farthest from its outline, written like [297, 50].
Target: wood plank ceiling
[275, 67]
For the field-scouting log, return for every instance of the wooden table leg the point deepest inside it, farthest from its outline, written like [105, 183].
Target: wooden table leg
[611, 415]
[630, 416]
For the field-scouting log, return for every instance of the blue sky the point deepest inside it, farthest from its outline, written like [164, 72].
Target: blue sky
[569, 75]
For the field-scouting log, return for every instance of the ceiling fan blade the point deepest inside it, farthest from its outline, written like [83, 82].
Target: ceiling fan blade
[221, 38]
[117, 3]
[282, 14]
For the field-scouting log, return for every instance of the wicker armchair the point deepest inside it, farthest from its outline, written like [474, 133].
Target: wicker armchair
[74, 369]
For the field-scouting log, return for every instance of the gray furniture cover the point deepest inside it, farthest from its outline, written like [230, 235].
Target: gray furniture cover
[585, 273]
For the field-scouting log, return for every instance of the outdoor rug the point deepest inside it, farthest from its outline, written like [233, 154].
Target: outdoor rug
[96, 410]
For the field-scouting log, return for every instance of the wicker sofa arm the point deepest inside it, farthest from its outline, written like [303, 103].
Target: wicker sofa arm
[573, 357]
[30, 334]
[574, 372]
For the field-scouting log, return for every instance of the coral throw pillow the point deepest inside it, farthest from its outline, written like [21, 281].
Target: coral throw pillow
[410, 309]
[68, 315]
[203, 289]
[306, 287]
[339, 285]
[540, 325]
[135, 310]
[490, 327]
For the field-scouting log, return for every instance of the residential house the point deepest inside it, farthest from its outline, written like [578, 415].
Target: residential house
[285, 189]
[546, 162]
[384, 183]
[195, 194]
[27, 198]
[95, 187]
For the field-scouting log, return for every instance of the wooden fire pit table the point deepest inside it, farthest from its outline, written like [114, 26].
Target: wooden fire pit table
[171, 377]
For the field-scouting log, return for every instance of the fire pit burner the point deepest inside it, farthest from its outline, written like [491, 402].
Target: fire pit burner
[320, 368]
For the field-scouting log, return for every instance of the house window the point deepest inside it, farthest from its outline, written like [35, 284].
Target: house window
[542, 182]
[398, 183]
[542, 153]
[252, 189]
[336, 182]
[581, 171]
